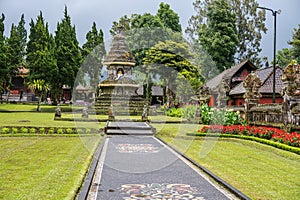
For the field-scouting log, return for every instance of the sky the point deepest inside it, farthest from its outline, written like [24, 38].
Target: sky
[84, 12]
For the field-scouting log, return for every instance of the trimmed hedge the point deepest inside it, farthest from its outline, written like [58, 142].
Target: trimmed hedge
[46, 130]
[252, 138]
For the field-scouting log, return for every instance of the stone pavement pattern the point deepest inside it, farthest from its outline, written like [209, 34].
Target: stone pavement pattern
[141, 167]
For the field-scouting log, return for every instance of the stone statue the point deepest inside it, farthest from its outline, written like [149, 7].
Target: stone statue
[145, 113]
[57, 111]
[111, 114]
[252, 85]
[85, 113]
[222, 91]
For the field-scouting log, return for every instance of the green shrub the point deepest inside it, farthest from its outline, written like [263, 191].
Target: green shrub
[205, 111]
[32, 130]
[69, 131]
[24, 130]
[60, 131]
[5, 130]
[42, 130]
[88, 130]
[189, 111]
[51, 131]
[14, 130]
[79, 131]
[174, 112]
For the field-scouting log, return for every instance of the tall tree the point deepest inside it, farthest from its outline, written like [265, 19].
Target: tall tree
[4, 71]
[219, 36]
[145, 30]
[168, 17]
[93, 51]
[17, 46]
[40, 52]
[249, 23]
[296, 44]
[284, 57]
[67, 53]
[170, 61]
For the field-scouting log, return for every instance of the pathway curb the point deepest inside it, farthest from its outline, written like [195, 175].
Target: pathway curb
[84, 190]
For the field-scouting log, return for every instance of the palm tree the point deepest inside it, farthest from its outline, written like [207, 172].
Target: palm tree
[41, 88]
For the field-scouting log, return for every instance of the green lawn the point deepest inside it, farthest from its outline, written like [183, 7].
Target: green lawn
[44, 167]
[259, 171]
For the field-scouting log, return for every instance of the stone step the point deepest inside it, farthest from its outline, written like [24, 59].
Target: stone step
[128, 128]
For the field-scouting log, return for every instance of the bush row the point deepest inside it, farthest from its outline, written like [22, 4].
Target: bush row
[46, 130]
[252, 138]
[270, 133]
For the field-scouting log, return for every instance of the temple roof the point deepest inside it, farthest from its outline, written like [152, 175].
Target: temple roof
[227, 75]
[266, 77]
[119, 52]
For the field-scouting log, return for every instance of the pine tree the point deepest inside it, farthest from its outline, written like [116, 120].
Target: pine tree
[296, 44]
[93, 51]
[4, 71]
[40, 55]
[67, 53]
[219, 36]
[17, 46]
[168, 17]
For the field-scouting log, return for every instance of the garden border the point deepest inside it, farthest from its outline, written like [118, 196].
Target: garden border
[278, 145]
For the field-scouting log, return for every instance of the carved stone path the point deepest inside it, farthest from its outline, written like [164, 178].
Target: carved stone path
[141, 167]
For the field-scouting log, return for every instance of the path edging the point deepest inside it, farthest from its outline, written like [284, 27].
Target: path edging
[85, 188]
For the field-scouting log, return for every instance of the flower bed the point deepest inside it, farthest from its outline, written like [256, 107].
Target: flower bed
[275, 134]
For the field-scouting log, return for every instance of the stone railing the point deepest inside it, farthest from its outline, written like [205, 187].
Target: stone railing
[266, 113]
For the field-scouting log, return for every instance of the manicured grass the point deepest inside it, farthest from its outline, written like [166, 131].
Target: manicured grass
[41, 119]
[44, 167]
[258, 170]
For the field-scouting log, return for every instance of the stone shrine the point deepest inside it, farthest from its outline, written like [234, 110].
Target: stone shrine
[119, 89]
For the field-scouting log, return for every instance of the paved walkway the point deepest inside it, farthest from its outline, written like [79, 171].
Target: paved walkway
[141, 167]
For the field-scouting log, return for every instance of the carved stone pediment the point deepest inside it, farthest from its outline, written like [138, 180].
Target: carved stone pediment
[252, 85]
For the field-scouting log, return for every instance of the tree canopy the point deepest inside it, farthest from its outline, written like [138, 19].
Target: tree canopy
[67, 53]
[219, 35]
[249, 22]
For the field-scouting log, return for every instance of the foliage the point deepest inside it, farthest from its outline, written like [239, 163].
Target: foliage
[24, 130]
[291, 139]
[40, 87]
[169, 61]
[168, 17]
[249, 23]
[4, 70]
[205, 112]
[40, 52]
[93, 51]
[5, 130]
[16, 46]
[219, 36]
[143, 31]
[67, 53]
[174, 112]
[296, 44]
[189, 111]
[284, 57]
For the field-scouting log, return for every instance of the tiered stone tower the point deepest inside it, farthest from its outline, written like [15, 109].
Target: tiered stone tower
[119, 89]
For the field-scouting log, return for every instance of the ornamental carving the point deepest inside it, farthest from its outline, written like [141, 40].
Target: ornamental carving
[252, 85]
[222, 91]
[291, 79]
